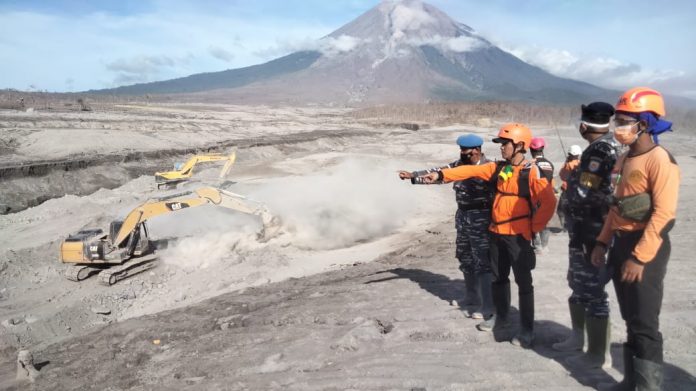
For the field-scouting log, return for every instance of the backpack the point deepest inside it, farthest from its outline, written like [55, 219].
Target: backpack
[522, 188]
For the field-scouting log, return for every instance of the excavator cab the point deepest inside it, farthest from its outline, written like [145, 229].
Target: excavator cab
[127, 249]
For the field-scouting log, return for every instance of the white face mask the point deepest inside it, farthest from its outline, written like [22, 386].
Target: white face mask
[624, 134]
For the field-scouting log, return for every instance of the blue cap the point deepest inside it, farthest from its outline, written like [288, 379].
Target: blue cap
[469, 141]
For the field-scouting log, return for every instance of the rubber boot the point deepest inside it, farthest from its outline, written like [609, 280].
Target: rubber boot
[598, 339]
[629, 381]
[544, 237]
[471, 294]
[487, 309]
[501, 301]
[577, 334]
[648, 375]
[536, 243]
[525, 337]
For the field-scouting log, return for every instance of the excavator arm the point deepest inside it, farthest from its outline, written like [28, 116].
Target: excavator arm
[129, 237]
[191, 199]
[186, 170]
[126, 250]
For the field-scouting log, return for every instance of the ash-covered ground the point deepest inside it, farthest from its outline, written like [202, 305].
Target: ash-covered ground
[355, 293]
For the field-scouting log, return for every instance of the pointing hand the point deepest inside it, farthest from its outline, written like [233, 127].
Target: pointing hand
[405, 175]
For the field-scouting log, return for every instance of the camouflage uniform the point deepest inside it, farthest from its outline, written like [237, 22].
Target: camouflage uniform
[546, 167]
[589, 189]
[473, 217]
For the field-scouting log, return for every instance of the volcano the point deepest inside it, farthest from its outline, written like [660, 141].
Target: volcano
[397, 52]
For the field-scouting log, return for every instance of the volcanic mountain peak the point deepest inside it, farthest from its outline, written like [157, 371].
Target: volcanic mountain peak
[398, 51]
[403, 19]
[395, 28]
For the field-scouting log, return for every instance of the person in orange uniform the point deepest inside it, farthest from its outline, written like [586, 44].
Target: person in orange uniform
[636, 232]
[524, 202]
[572, 162]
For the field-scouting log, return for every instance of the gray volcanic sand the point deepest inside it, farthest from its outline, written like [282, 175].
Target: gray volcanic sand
[357, 292]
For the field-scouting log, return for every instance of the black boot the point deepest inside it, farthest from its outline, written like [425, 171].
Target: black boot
[648, 375]
[485, 289]
[525, 337]
[629, 381]
[501, 300]
[472, 299]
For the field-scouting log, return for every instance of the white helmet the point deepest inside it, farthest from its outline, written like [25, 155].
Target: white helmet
[575, 150]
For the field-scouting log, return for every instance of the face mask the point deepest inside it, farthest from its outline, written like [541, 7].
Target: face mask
[624, 134]
[626, 138]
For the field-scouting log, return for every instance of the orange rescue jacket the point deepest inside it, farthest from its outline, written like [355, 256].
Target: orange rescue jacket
[512, 212]
[565, 172]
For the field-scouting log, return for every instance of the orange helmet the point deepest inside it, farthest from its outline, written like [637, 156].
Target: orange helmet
[640, 99]
[518, 133]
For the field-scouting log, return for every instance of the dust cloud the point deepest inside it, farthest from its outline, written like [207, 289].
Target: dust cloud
[202, 237]
[341, 204]
[353, 201]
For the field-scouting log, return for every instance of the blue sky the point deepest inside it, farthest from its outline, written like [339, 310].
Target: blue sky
[75, 45]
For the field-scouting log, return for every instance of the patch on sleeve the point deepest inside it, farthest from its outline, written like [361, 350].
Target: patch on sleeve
[594, 165]
[590, 180]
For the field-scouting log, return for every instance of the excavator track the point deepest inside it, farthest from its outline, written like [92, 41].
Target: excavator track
[81, 272]
[134, 266]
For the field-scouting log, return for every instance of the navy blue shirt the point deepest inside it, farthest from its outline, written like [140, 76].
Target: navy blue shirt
[590, 186]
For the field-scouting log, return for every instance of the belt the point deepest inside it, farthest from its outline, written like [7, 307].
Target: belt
[625, 234]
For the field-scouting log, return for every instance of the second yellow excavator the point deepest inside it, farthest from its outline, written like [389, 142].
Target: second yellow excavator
[127, 250]
[184, 172]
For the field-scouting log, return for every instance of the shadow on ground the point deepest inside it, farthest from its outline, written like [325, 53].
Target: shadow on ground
[438, 285]
[546, 332]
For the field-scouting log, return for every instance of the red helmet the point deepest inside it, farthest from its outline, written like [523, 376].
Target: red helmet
[537, 143]
[518, 133]
[640, 99]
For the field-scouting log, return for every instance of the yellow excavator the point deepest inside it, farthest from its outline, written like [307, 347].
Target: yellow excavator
[126, 250]
[184, 172]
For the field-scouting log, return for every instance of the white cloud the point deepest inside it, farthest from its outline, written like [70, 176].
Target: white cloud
[221, 54]
[458, 44]
[141, 68]
[602, 71]
[329, 46]
[343, 44]
[464, 44]
[140, 64]
[410, 16]
[102, 50]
